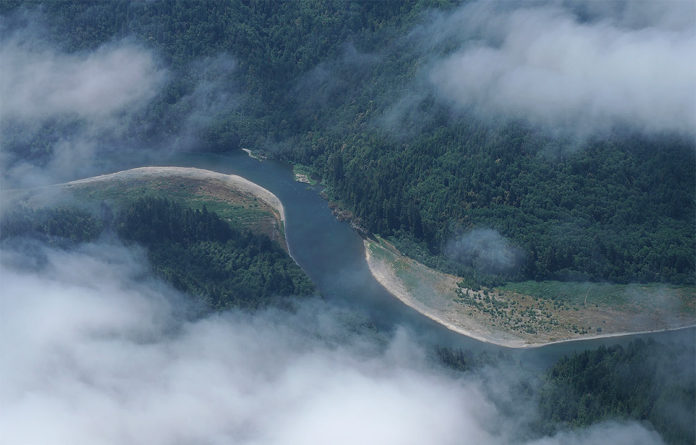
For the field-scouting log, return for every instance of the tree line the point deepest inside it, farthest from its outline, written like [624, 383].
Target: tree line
[320, 83]
[648, 381]
[201, 254]
[195, 250]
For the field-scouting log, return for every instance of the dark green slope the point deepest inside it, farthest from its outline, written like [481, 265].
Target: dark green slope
[338, 86]
[648, 381]
[203, 255]
[196, 251]
[620, 211]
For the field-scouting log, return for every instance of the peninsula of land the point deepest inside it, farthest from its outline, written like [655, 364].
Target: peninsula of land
[523, 315]
[239, 201]
[217, 238]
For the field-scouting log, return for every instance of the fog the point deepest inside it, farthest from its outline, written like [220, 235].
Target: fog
[576, 70]
[212, 96]
[63, 112]
[94, 350]
[584, 69]
[40, 82]
[485, 250]
[70, 114]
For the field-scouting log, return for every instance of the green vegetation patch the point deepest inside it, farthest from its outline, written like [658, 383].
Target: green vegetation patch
[646, 381]
[199, 253]
[240, 210]
[414, 276]
[642, 296]
[304, 173]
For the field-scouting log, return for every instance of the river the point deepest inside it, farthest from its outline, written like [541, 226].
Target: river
[331, 253]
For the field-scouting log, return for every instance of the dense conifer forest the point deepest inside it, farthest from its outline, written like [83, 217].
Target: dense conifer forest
[319, 82]
[194, 250]
[344, 90]
[201, 254]
[650, 381]
[646, 380]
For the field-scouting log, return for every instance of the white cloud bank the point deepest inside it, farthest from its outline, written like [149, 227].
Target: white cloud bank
[40, 82]
[94, 352]
[629, 66]
[62, 113]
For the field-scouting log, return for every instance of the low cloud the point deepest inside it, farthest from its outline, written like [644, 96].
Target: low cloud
[213, 96]
[73, 114]
[485, 250]
[614, 433]
[584, 70]
[41, 82]
[63, 113]
[95, 351]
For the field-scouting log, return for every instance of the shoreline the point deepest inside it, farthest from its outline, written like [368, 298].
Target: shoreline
[399, 291]
[234, 181]
[252, 155]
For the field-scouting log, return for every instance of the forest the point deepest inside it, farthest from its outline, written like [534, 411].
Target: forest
[650, 381]
[342, 89]
[194, 250]
[646, 380]
[201, 254]
[314, 82]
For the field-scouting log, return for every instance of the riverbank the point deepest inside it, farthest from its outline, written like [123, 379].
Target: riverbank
[235, 182]
[509, 319]
[242, 203]
[253, 155]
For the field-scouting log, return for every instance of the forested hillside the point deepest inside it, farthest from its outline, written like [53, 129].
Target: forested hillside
[201, 254]
[620, 211]
[342, 87]
[648, 381]
[196, 251]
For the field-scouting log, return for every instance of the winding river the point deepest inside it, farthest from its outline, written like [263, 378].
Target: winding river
[331, 253]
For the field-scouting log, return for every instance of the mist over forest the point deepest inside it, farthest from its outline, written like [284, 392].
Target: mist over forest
[497, 141]
[109, 355]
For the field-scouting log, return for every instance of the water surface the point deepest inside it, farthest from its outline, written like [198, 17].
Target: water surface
[332, 254]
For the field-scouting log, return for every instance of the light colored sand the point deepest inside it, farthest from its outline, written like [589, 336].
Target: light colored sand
[470, 327]
[459, 322]
[233, 181]
[252, 155]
